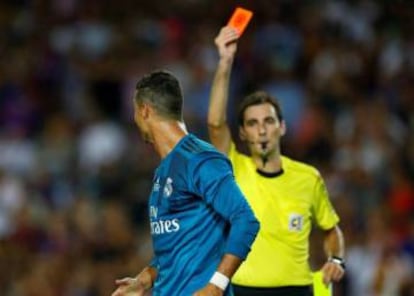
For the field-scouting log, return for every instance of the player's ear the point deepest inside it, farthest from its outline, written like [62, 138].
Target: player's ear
[144, 110]
[141, 111]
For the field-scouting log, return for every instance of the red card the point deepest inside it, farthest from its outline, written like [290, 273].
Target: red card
[240, 18]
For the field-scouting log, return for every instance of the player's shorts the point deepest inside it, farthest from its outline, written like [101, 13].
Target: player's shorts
[279, 291]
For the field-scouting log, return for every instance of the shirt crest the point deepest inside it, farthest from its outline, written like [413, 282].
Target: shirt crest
[168, 188]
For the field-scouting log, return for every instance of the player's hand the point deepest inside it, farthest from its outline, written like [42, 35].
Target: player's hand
[226, 42]
[332, 272]
[129, 287]
[209, 290]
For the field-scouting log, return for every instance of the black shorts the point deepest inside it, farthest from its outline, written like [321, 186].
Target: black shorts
[279, 291]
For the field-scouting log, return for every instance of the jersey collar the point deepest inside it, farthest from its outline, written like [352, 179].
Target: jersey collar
[271, 174]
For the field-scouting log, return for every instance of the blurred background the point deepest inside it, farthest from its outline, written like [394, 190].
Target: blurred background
[74, 173]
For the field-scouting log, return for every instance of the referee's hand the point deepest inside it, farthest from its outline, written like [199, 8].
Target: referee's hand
[226, 43]
[332, 272]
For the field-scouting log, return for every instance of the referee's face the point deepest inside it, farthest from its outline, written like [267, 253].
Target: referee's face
[262, 129]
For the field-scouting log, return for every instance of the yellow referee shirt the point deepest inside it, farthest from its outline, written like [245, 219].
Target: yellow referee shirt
[286, 206]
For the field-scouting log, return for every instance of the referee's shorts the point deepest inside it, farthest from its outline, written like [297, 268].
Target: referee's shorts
[279, 291]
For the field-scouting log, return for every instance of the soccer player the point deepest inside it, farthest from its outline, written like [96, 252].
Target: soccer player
[286, 196]
[201, 225]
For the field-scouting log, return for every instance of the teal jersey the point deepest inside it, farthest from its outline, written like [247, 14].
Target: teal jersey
[197, 214]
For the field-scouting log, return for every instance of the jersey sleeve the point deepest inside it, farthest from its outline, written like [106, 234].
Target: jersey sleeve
[325, 215]
[213, 180]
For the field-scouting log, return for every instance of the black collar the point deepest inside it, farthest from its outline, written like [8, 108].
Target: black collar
[270, 175]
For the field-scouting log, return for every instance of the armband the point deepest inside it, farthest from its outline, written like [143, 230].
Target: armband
[220, 280]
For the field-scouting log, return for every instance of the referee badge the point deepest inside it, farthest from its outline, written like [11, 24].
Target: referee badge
[295, 222]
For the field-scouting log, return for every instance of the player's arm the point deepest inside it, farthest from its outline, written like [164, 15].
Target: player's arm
[334, 268]
[138, 285]
[213, 180]
[218, 128]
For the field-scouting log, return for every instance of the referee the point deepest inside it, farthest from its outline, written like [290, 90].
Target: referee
[287, 196]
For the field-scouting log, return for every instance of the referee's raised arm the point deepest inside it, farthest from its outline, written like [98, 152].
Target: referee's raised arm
[219, 132]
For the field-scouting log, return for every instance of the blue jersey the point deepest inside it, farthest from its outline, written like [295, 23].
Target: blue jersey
[197, 214]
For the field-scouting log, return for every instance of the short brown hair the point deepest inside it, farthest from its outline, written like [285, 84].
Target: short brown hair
[257, 98]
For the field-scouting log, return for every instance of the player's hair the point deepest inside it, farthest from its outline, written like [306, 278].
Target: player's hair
[162, 91]
[258, 98]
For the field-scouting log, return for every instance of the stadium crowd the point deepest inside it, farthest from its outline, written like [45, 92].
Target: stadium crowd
[74, 174]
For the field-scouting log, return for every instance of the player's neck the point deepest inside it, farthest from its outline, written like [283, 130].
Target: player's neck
[166, 135]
